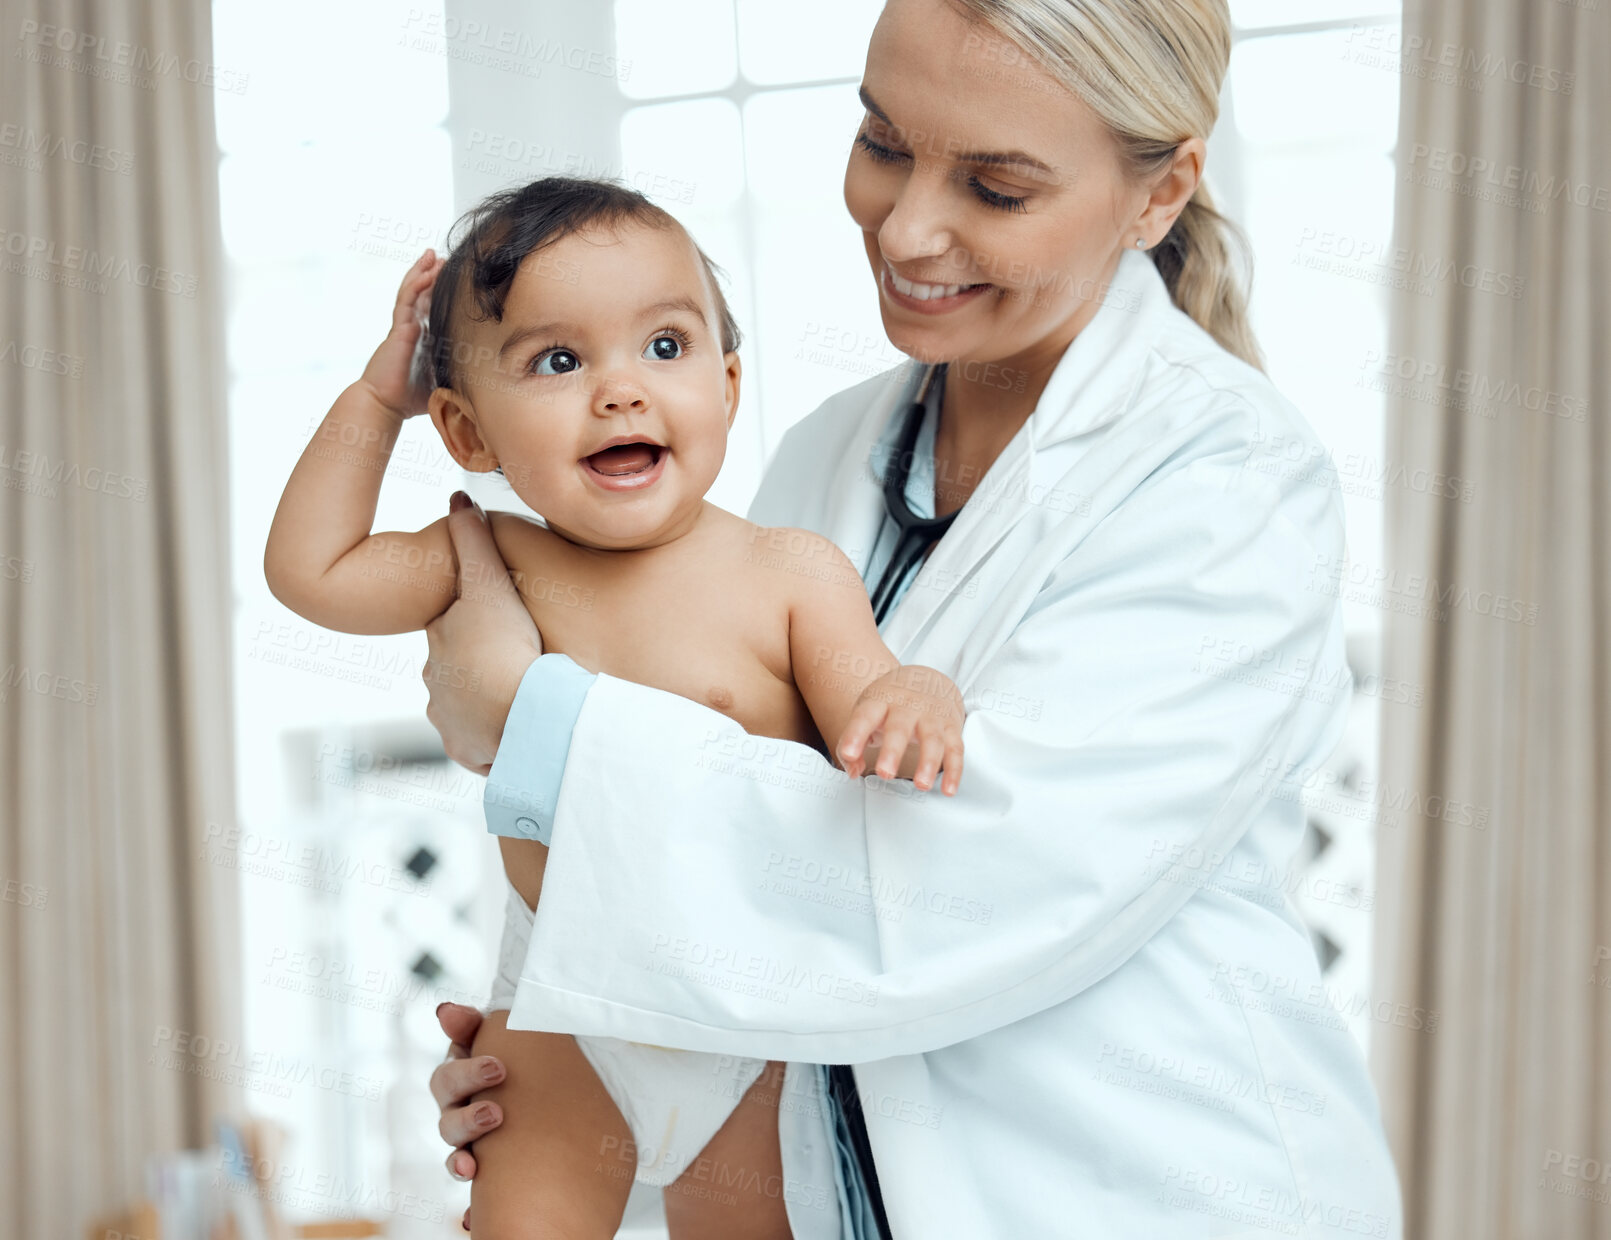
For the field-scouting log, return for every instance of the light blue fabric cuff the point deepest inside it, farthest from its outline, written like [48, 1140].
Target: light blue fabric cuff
[523, 785]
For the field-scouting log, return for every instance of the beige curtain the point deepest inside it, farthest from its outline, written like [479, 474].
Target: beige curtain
[117, 936]
[1495, 899]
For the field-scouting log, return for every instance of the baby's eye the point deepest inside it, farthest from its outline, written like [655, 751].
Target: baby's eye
[664, 349]
[556, 362]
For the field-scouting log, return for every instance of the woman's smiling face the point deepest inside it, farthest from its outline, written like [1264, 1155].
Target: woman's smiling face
[990, 198]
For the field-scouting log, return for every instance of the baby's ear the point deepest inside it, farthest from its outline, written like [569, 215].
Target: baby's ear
[454, 419]
[734, 373]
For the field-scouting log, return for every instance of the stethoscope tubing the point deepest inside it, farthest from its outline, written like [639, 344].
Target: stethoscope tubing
[915, 533]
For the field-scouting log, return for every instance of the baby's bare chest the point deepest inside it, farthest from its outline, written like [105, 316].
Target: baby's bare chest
[711, 631]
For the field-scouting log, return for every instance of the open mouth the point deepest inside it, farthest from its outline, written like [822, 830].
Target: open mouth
[627, 465]
[619, 460]
[927, 298]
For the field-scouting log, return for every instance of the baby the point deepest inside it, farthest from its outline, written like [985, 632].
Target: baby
[580, 345]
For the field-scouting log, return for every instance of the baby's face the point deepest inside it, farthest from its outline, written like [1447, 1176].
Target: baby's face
[603, 393]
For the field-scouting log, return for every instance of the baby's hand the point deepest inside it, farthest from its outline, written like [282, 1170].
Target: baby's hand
[388, 372]
[911, 706]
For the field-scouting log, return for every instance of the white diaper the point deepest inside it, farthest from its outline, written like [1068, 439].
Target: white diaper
[673, 1101]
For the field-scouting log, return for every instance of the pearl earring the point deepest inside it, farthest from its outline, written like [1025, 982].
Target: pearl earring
[1141, 243]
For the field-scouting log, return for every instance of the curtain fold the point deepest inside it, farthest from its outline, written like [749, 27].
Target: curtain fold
[1494, 895]
[118, 941]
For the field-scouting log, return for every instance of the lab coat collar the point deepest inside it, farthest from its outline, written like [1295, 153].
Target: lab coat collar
[1095, 379]
[1092, 385]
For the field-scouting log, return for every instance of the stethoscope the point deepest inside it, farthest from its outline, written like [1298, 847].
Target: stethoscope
[916, 534]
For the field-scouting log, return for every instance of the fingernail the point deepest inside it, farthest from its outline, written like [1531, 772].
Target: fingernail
[459, 500]
[483, 1115]
[439, 1008]
[491, 1072]
[453, 1168]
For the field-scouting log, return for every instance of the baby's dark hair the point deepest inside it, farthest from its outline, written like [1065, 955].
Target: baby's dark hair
[489, 242]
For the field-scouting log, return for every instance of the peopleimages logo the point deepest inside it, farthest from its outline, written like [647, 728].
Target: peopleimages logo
[118, 60]
[1480, 392]
[1451, 63]
[726, 967]
[1311, 1001]
[884, 894]
[32, 147]
[1264, 1206]
[85, 267]
[1529, 184]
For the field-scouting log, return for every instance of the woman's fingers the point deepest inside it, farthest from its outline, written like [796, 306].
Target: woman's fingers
[461, 1125]
[487, 631]
[461, 1166]
[456, 1079]
[459, 1022]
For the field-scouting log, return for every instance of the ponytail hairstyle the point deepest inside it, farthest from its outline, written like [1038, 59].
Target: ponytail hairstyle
[1151, 71]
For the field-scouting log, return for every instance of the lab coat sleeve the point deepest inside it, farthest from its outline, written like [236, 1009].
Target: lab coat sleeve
[715, 891]
[523, 784]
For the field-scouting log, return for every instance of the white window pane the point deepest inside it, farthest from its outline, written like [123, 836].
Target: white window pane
[370, 200]
[319, 71]
[817, 328]
[789, 43]
[674, 49]
[685, 154]
[796, 143]
[1319, 309]
[1250, 14]
[1312, 88]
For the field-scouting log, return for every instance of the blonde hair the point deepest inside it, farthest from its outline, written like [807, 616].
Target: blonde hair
[1151, 71]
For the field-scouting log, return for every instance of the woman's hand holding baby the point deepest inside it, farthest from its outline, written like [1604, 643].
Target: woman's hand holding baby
[912, 705]
[480, 647]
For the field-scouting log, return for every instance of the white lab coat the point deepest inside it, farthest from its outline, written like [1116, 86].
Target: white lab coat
[1078, 997]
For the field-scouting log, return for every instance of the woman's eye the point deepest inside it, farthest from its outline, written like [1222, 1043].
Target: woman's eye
[879, 152]
[988, 196]
[664, 349]
[556, 362]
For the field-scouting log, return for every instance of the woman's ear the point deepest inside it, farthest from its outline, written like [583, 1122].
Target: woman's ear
[1173, 190]
[734, 370]
[454, 419]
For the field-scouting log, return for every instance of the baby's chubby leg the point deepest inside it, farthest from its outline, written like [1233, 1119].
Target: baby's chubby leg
[734, 1189]
[551, 1170]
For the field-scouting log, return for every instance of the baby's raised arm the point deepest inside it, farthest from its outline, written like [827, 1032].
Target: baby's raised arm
[321, 560]
[903, 721]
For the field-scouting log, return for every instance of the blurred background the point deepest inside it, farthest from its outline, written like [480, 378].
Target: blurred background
[238, 872]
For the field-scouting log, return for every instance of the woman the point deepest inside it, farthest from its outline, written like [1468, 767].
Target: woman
[1076, 995]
